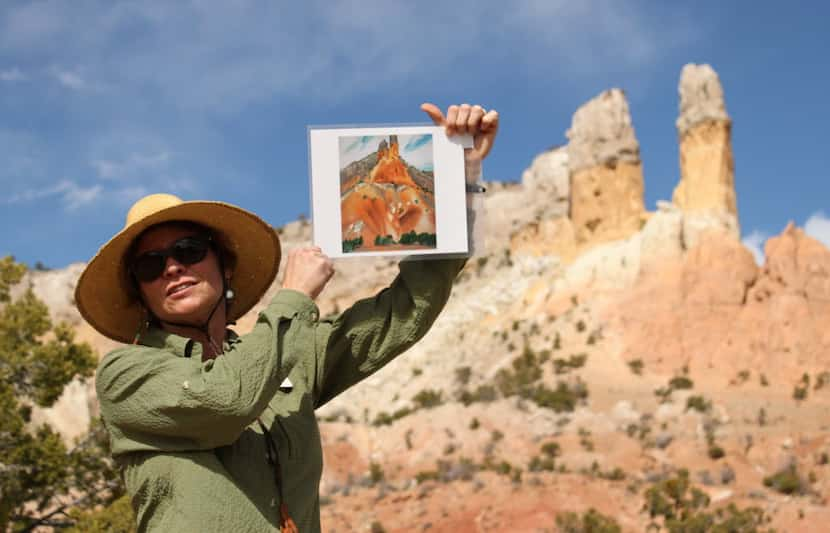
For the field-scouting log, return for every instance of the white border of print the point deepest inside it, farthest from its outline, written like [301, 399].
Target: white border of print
[450, 194]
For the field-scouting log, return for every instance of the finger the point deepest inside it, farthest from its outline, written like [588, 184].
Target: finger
[434, 113]
[474, 121]
[461, 118]
[452, 115]
[490, 121]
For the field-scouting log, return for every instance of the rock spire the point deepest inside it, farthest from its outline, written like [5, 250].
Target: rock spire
[606, 174]
[707, 171]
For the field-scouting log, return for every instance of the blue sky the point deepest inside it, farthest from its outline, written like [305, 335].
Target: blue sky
[416, 149]
[102, 102]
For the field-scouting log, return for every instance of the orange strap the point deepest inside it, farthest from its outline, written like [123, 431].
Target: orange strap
[287, 525]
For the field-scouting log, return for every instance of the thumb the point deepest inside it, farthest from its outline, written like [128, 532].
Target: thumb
[434, 113]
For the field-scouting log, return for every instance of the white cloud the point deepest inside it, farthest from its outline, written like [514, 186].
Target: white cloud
[13, 74]
[130, 167]
[222, 56]
[73, 196]
[76, 197]
[71, 80]
[755, 241]
[130, 195]
[818, 227]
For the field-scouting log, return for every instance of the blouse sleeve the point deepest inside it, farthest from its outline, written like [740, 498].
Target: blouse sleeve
[374, 331]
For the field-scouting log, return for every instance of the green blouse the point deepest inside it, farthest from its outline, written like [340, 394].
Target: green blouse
[186, 431]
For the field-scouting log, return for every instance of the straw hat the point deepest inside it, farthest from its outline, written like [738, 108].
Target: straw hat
[106, 297]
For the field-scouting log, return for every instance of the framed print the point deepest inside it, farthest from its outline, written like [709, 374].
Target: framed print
[388, 190]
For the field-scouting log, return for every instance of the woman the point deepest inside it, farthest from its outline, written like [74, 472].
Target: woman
[217, 432]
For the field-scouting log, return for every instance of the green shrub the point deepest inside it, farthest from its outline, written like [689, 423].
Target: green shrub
[664, 393]
[699, 404]
[681, 382]
[591, 521]
[786, 481]
[733, 520]
[563, 399]
[384, 241]
[375, 473]
[462, 375]
[563, 366]
[681, 506]
[617, 474]
[821, 380]
[715, 452]
[426, 475]
[636, 366]
[118, 517]
[552, 449]
[525, 372]
[351, 245]
[384, 419]
[482, 393]
[585, 440]
[428, 398]
[539, 464]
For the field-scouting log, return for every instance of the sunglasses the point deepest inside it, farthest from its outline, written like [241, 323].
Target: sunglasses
[187, 251]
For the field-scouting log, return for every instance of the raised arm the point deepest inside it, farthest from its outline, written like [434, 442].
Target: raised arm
[375, 330]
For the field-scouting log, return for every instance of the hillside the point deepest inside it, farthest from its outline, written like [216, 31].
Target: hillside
[592, 350]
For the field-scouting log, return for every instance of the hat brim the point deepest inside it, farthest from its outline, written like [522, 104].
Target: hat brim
[104, 294]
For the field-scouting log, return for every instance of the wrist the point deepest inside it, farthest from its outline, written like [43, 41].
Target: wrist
[472, 170]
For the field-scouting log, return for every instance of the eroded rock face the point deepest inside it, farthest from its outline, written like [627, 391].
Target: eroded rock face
[605, 170]
[547, 182]
[551, 236]
[601, 133]
[701, 97]
[707, 169]
[716, 309]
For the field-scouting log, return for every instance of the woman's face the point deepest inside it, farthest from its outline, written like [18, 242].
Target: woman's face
[182, 293]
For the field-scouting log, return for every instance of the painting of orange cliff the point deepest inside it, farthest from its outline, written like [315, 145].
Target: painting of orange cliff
[387, 193]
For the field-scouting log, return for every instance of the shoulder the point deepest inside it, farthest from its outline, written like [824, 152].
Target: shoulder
[126, 360]
[128, 353]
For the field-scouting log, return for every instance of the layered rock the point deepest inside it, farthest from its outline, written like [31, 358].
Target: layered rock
[707, 186]
[606, 174]
[547, 182]
[549, 230]
[715, 309]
